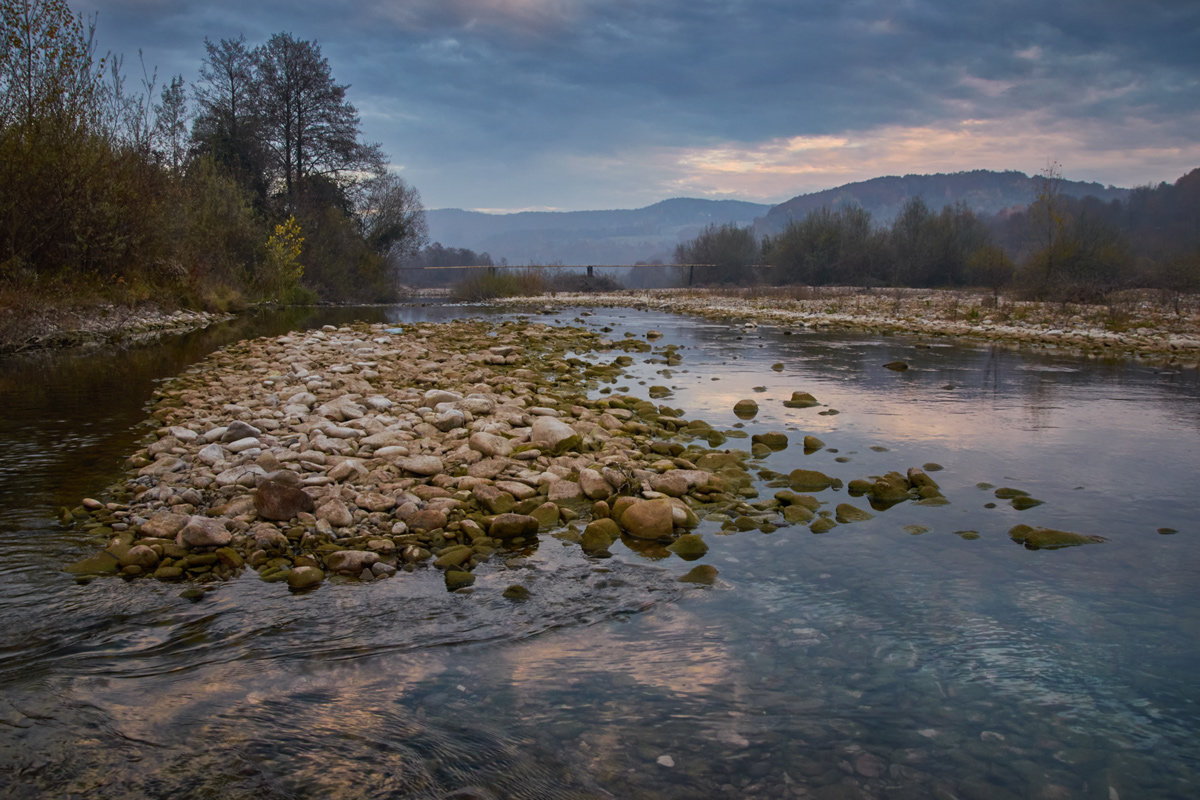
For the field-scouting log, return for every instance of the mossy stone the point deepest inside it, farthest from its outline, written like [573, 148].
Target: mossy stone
[809, 480]
[1049, 538]
[848, 513]
[704, 574]
[801, 400]
[689, 546]
[822, 524]
[745, 409]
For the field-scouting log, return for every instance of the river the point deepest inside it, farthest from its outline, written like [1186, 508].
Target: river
[919, 653]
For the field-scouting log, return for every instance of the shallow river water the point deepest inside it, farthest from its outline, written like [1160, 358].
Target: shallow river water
[920, 653]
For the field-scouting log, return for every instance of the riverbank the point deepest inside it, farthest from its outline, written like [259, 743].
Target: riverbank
[1134, 325]
[42, 327]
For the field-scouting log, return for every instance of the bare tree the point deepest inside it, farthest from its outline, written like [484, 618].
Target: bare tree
[392, 218]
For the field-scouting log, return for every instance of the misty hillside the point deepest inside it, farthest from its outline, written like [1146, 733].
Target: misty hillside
[586, 237]
[983, 191]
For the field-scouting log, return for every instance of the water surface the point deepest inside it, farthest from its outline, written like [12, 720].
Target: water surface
[864, 662]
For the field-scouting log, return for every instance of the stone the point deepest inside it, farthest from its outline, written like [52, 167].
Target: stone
[427, 519]
[689, 546]
[896, 366]
[493, 500]
[546, 514]
[237, 430]
[139, 555]
[1049, 538]
[335, 512]
[554, 435]
[822, 525]
[598, 535]
[511, 526]
[203, 532]
[490, 444]
[594, 485]
[564, 491]
[515, 592]
[454, 556]
[424, 466]
[809, 480]
[102, 563]
[849, 513]
[351, 562]
[301, 578]
[164, 525]
[801, 400]
[277, 499]
[745, 409]
[704, 574]
[649, 519]
[812, 444]
[457, 579]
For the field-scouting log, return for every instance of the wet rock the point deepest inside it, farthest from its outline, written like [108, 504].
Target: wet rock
[809, 480]
[1049, 538]
[822, 525]
[649, 519]
[801, 400]
[689, 546]
[848, 513]
[164, 525]
[427, 519]
[745, 409]
[705, 574]
[457, 579]
[511, 526]
[102, 563]
[773, 440]
[599, 534]
[515, 592]
[301, 578]
[350, 562]
[141, 556]
[896, 366]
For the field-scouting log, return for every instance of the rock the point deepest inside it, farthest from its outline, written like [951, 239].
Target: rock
[211, 454]
[689, 546]
[649, 519]
[564, 491]
[450, 419]
[705, 574]
[554, 435]
[773, 440]
[511, 526]
[351, 562]
[848, 513]
[812, 444]
[433, 397]
[801, 400]
[422, 465]
[301, 578]
[745, 409]
[427, 519]
[493, 500]
[673, 483]
[546, 514]
[277, 498]
[203, 532]
[141, 556]
[598, 535]
[809, 480]
[457, 579]
[515, 592]
[335, 512]
[101, 563]
[896, 366]
[1049, 538]
[240, 430]
[822, 524]
[454, 556]
[594, 485]
[164, 525]
[490, 444]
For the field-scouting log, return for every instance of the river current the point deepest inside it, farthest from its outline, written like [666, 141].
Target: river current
[919, 653]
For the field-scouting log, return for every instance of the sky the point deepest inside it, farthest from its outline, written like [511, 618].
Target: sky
[508, 105]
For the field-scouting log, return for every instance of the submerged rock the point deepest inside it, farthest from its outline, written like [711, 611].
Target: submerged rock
[801, 400]
[1049, 538]
[745, 409]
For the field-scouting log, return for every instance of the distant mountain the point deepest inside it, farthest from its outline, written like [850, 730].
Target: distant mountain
[586, 237]
[984, 191]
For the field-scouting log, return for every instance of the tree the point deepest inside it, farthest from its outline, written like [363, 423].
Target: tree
[731, 251]
[170, 125]
[47, 69]
[227, 121]
[309, 127]
[990, 266]
[392, 218]
[830, 247]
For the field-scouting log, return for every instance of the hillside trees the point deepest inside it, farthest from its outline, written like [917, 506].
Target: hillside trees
[729, 251]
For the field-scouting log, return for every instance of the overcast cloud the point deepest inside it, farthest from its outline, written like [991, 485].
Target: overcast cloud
[584, 104]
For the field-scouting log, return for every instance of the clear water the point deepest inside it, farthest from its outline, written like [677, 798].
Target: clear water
[864, 662]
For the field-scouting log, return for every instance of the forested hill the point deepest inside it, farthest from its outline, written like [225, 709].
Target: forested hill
[983, 191]
[586, 237]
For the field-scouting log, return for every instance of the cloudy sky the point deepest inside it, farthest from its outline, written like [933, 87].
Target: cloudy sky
[586, 104]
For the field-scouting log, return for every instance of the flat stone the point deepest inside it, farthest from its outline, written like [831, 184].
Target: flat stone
[203, 532]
